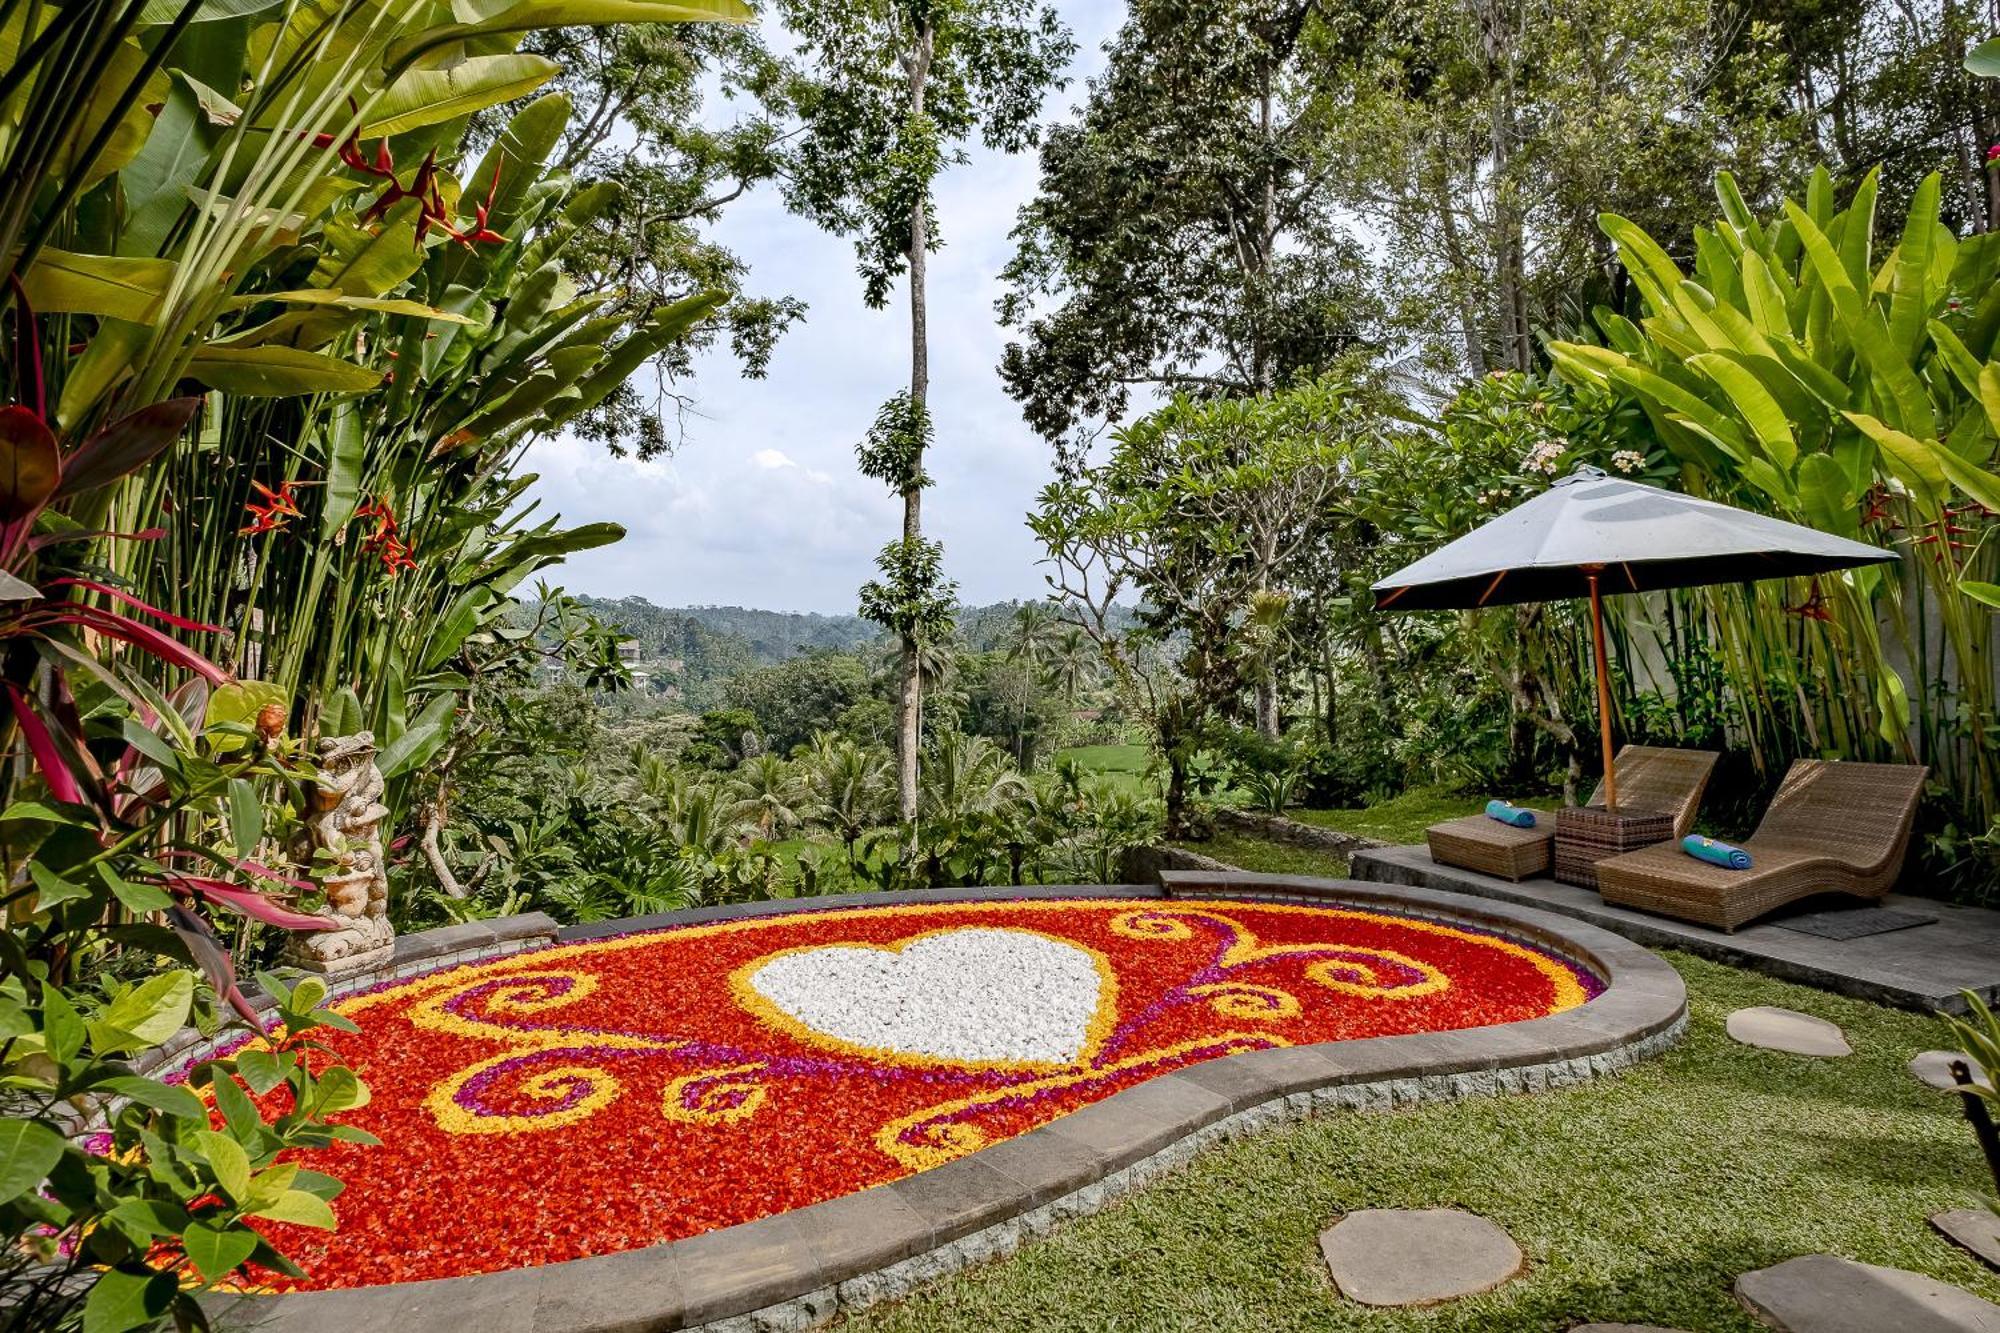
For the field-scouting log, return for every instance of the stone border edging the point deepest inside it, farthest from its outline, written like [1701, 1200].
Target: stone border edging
[796, 1269]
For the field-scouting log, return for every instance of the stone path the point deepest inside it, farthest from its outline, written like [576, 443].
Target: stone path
[1934, 1068]
[1397, 1256]
[1787, 1030]
[1976, 1229]
[1821, 1293]
[1625, 1328]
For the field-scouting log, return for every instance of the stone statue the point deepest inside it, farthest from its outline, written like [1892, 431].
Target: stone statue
[345, 823]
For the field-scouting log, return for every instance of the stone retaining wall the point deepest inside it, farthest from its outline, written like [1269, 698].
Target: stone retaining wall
[1276, 828]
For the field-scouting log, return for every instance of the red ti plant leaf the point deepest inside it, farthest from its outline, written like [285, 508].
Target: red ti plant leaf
[118, 595]
[126, 445]
[213, 959]
[249, 902]
[62, 781]
[30, 467]
[124, 628]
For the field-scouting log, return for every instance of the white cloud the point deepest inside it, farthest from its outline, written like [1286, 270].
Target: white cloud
[763, 505]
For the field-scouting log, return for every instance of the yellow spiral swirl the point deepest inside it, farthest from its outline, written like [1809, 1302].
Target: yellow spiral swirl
[1149, 924]
[715, 1096]
[1240, 999]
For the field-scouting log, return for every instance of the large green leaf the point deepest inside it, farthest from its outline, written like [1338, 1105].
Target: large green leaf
[158, 12]
[1754, 404]
[431, 96]
[1864, 326]
[1916, 463]
[156, 181]
[1979, 484]
[1909, 301]
[61, 282]
[278, 372]
[1984, 59]
[218, 1250]
[149, 1012]
[121, 1301]
[360, 262]
[28, 1152]
[424, 737]
[667, 324]
[531, 15]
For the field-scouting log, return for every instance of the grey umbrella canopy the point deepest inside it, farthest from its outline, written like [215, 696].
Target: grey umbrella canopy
[1629, 536]
[1591, 534]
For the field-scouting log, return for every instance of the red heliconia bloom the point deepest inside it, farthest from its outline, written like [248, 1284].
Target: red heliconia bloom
[1993, 153]
[384, 542]
[281, 507]
[482, 233]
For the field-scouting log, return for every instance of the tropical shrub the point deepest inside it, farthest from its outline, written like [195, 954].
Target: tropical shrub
[1798, 372]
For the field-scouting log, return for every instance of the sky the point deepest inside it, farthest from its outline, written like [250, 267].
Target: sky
[762, 505]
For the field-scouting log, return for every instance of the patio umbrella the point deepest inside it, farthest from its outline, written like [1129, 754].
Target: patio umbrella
[1591, 534]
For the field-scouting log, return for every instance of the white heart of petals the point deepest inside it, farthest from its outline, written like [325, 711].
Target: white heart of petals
[967, 995]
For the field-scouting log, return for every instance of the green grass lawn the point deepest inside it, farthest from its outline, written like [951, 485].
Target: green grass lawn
[1123, 766]
[1404, 818]
[1637, 1198]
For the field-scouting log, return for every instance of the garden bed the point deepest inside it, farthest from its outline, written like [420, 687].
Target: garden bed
[694, 1115]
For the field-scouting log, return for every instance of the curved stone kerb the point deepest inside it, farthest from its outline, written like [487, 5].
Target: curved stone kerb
[795, 1269]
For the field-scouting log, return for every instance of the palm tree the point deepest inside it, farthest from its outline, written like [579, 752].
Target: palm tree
[767, 792]
[969, 775]
[1032, 633]
[700, 821]
[1073, 664]
[849, 789]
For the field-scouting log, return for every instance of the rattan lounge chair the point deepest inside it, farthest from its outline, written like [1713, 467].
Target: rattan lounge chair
[1650, 777]
[1832, 828]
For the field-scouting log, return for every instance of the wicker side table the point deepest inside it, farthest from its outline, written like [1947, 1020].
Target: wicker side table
[1490, 847]
[1586, 834]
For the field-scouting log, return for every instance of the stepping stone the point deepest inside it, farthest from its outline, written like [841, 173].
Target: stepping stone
[1787, 1030]
[1397, 1256]
[1822, 1293]
[1625, 1328]
[1934, 1068]
[1976, 1229]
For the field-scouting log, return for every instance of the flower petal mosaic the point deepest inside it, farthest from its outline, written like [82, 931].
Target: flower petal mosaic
[595, 1097]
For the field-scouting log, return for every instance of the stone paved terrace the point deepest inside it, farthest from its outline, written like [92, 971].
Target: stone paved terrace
[1921, 967]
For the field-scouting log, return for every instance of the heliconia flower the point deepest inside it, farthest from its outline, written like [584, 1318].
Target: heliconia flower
[1993, 153]
[281, 507]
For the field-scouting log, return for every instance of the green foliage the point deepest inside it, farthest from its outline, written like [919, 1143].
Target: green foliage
[912, 599]
[868, 154]
[1199, 509]
[127, 1224]
[1798, 374]
[893, 452]
[788, 703]
[1184, 235]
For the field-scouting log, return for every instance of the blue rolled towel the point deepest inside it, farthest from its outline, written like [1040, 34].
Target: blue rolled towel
[1715, 853]
[1509, 813]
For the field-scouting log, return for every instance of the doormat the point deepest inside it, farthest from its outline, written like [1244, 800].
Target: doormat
[1853, 923]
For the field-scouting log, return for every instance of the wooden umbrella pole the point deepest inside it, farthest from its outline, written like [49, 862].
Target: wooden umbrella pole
[1603, 690]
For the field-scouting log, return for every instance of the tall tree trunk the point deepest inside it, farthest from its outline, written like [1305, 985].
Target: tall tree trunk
[1509, 248]
[909, 706]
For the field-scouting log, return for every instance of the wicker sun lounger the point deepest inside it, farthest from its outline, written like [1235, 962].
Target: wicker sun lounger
[1650, 777]
[1832, 828]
